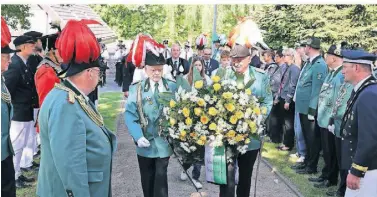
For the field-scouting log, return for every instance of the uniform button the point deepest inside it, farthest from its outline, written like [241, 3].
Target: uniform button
[350, 142]
[351, 149]
[342, 138]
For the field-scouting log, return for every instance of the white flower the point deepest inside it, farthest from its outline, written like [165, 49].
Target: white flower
[207, 98]
[184, 146]
[235, 96]
[211, 137]
[166, 111]
[193, 148]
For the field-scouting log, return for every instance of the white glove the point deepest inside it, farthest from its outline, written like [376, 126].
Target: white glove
[310, 117]
[143, 143]
[331, 128]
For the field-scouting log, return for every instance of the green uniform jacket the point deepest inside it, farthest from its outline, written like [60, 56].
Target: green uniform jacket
[327, 96]
[76, 152]
[6, 115]
[159, 147]
[262, 90]
[342, 93]
[309, 86]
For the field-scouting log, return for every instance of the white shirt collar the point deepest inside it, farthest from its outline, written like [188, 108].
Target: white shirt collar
[175, 60]
[337, 68]
[312, 58]
[246, 78]
[357, 86]
[25, 61]
[85, 96]
[160, 85]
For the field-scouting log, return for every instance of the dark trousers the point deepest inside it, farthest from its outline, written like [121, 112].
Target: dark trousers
[312, 136]
[245, 169]
[274, 124]
[8, 184]
[154, 179]
[195, 171]
[342, 172]
[331, 168]
[288, 118]
[281, 124]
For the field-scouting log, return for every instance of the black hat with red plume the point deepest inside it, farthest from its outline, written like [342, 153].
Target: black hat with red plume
[78, 46]
[146, 51]
[5, 38]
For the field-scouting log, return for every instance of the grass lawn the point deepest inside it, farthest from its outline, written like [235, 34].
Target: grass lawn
[282, 162]
[109, 107]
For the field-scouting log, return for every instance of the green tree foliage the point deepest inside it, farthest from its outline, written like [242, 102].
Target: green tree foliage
[16, 15]
[284, 25]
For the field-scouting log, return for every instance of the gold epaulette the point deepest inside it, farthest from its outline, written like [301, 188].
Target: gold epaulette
[72, 96]
[360, 168]
[5, 96]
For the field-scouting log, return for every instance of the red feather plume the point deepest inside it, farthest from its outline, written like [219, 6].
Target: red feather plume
[5, 34]
[77, 43]
[140, 46]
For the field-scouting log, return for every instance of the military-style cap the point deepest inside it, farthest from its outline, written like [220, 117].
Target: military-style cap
[239, 51]
[34, 34]
[23, 40]
[154, 60]
[358, 57]
[335, 50]
[48, 41]
[302, 43]
[314, 42]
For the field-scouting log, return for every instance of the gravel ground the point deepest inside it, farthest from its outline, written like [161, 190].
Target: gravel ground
[126, 177]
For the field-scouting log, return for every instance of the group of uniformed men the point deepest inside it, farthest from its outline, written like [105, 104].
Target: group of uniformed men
[76, 157]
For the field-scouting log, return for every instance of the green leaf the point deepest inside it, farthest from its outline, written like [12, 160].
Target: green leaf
[196, 75]
[183, 83]
[165, 97]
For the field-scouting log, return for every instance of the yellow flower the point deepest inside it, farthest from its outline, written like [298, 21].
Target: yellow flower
[203, 138]
[183, 133]
[239, 114]
[212, 126]
[197, 111]
[230, 107]
[212, 111]
[247, 141]
[233, 119]
[172, 121]
[172, 103]
[198, 84]
[253, 126]
[216, 86]
[239, 138]
[188, 121]
[192, 134]
[204, 119]
[231, 134]
[215, 79]
[201, 102]
[186, 112]
[248, 91]
[264, 110]
[257, 111]
[182, 138]
[240, 86]
[200, 142]
[227, 95]
[248, 110]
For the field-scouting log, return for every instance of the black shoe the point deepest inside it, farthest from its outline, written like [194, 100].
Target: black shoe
[298, 166]
[316, 180]
[20, 184]
[334, 193]
[25, 179]
[324, 184]
[306, 171]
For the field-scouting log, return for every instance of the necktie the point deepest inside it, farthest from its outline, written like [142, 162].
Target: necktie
[240, 77]
[175, 65]
[155, 94]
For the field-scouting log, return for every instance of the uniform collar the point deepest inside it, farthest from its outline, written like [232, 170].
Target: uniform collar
[160, 85]
[175, 59]
[74, 86]
[337, 68]
[22, 58]
[314, 57]
[357, 86]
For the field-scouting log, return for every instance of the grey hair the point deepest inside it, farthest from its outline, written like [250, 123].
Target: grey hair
[289, 52]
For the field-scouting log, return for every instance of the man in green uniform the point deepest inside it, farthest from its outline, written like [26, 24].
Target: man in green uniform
[326, 104]
[143, 112]
[8, 184]
[77, 149]
[307, 94]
